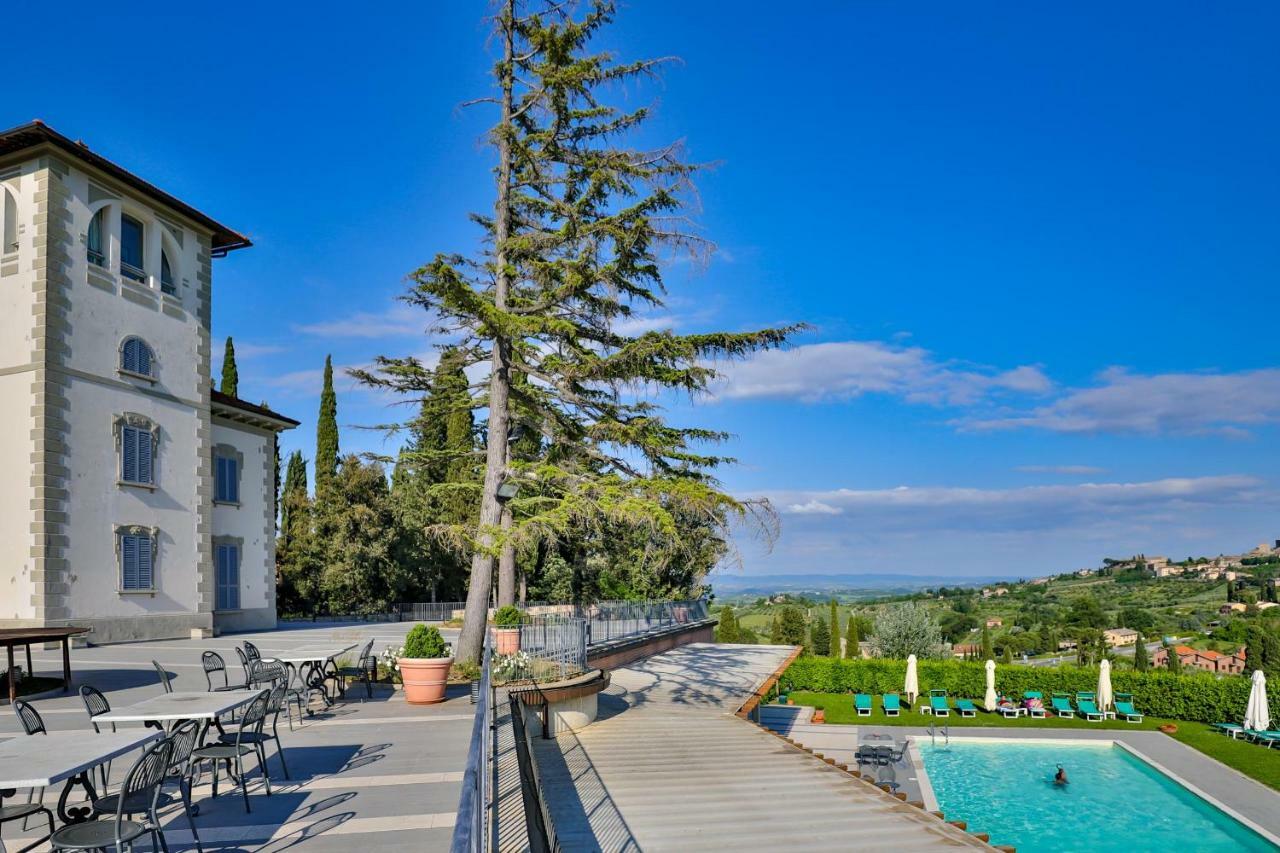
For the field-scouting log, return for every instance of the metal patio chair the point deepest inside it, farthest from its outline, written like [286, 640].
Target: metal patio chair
[366, 670]
[164, 677]
[137, 795]
[239, 746]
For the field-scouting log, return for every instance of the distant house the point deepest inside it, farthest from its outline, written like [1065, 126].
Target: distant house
[1168, 571]
[961, 650]
[1157, 562]
[1120, 636]
[995, 622]
[1204, 659]
[1232, 607]
[998, 591]
[1084, 573]
[1040, 581]
[1066, 645]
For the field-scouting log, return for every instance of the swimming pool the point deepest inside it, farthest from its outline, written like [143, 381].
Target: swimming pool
[1115, 801]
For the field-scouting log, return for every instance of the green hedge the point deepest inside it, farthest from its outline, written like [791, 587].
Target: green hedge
[1202, 697]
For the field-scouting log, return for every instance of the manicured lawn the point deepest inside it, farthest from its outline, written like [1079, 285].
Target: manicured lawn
[1254, 761]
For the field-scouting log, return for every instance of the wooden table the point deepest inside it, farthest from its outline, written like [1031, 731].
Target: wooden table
[44, 760]
[10, 637]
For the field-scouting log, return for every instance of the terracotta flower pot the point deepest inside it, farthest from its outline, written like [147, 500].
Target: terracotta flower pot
[424, 679]
[1168, 728]
[506, 641]
[819, 716]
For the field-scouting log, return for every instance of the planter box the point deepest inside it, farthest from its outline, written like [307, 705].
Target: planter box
[506, 641]
[424, 679]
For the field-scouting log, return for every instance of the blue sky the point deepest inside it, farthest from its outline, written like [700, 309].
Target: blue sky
[1037, 247]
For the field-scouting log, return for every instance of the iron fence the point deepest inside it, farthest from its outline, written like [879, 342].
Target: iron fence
[439, 611]
[615, 620]
[550, 648]
[470, 830]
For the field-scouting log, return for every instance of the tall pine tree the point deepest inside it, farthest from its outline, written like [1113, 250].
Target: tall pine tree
[580, 226]
[834, 651]
[230, 376]
[297, 583]
[1140, 659]
[326, 432]
[851, 639]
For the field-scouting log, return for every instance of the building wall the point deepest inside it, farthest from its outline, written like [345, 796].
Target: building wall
[251, 524]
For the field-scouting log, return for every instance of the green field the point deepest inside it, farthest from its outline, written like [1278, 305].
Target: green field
[1256, 762]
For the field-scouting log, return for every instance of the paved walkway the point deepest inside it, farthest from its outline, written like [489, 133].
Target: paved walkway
[1212, 779]
[366, 774]
[668, 767]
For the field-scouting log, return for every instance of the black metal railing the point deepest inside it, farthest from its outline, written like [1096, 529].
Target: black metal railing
[608, 621]
[539, 829]
[470, 831]
[551, 648]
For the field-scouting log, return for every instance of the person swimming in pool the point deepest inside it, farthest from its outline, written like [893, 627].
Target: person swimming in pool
[1060, 778]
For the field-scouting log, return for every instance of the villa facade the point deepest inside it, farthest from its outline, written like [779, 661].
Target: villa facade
[1205, 659]
[137, 501]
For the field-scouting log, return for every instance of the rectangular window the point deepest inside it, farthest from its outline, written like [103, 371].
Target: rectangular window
[135, 455]
[227, 562]
[97, 255]
[227, 475]
[131, 263]
[136, 562]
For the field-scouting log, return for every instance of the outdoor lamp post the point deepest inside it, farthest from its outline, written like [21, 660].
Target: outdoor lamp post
[507, 489]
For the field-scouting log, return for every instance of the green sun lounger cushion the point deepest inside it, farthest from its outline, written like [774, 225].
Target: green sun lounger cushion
[966, 709]
[938, 706]
[1062, 707]
[1089, 710]
[862, 703]
[1128, 711]
[1232, 729]
[891, 704]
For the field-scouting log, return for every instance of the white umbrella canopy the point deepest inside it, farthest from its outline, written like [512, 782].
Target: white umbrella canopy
[1105, 696]
[1257, 717]
[989, 701]
[911, 688]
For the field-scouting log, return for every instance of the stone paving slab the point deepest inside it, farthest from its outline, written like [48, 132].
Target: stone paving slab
[366, 774]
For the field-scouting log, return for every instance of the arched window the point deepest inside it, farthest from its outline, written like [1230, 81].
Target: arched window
[95, 247]
[132, 234]
[166, 274]
[136, 357]
[9, 238]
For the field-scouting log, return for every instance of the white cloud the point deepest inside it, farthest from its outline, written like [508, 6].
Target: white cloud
[1073, 470]
[1123, 402]
[811, 507]
[848, 369]
[399, 320]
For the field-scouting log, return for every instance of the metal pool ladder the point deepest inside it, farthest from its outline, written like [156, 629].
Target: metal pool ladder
[946, 733]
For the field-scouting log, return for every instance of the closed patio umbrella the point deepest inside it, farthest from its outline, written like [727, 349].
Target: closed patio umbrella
[911, 688]
[1257, 716]
[1104, 686]
[989, 701]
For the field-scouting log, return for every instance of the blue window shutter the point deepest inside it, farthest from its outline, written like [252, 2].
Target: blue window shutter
[129, 357]
[129, 562]
[233, 481]
[143, 439]
[144, 562]
[220, 479]
[129, 454]
[233, 554]
[144, 359]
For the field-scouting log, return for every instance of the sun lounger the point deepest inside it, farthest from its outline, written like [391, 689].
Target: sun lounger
[1090, 710]
[1124, 707]
[891, 705]
[862, 704]
[1011, 712]
[1062, 705]
[966, 709]
[1036, 712]
[1264, 737]
[938, 705]
[1231, 729]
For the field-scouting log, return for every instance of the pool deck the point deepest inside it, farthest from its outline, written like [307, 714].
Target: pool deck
[668, 766]
[366, 774]
[1257, 805]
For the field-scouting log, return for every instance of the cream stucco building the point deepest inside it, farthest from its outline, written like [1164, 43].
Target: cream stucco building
[136, 500]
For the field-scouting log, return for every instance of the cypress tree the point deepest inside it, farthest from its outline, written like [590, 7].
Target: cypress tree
[727, 631]
[851, 639]
[327, 431]
[819, 636]
[1175, 663]
[230, 376]
[1007, 657]
[297, 586]
[835, 631]
[1140, 660]
[574, 245]
[988, 650]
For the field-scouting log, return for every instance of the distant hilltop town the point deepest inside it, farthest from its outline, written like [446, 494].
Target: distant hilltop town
[1223, 567]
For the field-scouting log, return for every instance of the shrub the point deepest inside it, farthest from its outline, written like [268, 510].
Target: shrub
[1200, 697]
[424, 642]
[508, 616]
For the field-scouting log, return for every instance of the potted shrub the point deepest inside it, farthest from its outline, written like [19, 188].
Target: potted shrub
[506, 633]
[424, 665]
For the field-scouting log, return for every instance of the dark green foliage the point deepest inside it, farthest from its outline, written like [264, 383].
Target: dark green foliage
[988, 650]
[1085, 612]
[354, 538]
[955, 626]
[1174, 663]
[508, 616]
[1007, 656]
[727, 631]
[1201, 697]
[788, 628]
[1141, 660]
[1137, 618]
[834, 625]
[230, 376]
[326, 432]
[819, 637]
[297, 575]
[851, 639]
[424, 641]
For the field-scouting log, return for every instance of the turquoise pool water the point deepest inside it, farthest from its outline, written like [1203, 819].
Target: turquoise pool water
[1114, 801]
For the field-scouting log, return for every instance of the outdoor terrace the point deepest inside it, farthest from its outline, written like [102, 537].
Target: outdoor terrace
[366, 773]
